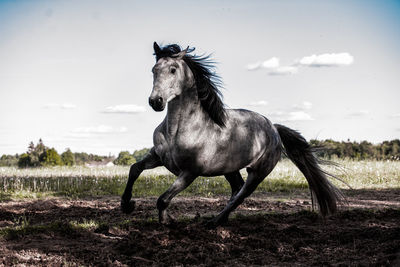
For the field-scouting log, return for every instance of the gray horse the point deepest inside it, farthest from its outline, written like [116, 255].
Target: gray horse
[199, 137]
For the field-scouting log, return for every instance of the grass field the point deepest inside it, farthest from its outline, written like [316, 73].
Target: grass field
[82, 181]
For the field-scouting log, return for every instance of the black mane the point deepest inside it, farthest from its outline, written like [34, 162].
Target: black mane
[207, 81]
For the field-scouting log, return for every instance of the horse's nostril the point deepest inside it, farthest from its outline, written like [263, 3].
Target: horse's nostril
[157, 103]
[151, 101]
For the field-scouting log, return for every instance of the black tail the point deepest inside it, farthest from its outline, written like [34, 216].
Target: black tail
[300, 152]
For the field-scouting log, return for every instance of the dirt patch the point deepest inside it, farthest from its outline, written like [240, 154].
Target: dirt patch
[273, 229]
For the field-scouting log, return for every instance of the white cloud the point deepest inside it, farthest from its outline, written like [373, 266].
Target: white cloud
[307, 105]
[359, 113]
[299, 116]
[253, 66]
[271, 63]
[259, 103]
[100, 129]
[68, 106]
[276, 113]
[125, 109]
[284, 70]
[51, 105]
[60, 106]
[267, 64]
[283, 116]
[303, 106]
[273, 67]
[327, 60]
[395, 115]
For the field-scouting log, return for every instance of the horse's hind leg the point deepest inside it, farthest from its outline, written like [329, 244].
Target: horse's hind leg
[150, 161]
[236, 181]
[253, 180]
[181, 182]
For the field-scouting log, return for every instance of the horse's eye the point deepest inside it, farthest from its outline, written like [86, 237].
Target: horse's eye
[173, 70]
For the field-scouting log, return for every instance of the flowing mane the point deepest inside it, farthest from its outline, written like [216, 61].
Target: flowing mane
[207, 81]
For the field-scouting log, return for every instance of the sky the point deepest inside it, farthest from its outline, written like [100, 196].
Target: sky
[78, 73]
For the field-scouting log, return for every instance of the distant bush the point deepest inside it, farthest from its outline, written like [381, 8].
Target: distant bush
[68, 158]
[82, 157]
[51, 158]
[124, 158]
[24, 161]
[140, 154]
[9, 160]
[36, 153]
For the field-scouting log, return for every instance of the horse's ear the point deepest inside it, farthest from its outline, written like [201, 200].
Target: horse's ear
[181, 54]
[157, 48]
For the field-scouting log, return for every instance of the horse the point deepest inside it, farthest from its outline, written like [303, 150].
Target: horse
[199, 136]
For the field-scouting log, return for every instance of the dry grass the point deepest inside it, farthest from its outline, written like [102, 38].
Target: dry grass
[84, 181]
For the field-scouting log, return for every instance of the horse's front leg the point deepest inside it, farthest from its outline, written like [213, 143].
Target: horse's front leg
[181, 182]
[149, 162]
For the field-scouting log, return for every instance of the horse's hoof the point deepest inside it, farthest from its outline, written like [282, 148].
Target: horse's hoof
[127, 207]
[215, 222]
[166, 219]
[211, 224]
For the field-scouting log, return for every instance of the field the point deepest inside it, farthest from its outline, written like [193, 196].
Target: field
[71, 217]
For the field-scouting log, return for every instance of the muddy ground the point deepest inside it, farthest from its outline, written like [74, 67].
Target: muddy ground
[269, 230]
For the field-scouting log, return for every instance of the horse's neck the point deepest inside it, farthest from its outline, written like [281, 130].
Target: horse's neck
[184, 112]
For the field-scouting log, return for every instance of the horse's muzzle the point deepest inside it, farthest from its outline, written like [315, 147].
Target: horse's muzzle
[157, 103]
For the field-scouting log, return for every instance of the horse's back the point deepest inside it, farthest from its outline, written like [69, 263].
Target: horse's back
[258, 129]
[247, 138]
[213, 150]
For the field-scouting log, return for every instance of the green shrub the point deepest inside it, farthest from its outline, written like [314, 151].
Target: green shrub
[24, 161]
[124, 158]
[140, 154]
[51, 158]
[68, 158]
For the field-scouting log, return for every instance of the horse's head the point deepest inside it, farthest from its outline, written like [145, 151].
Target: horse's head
[171, 75]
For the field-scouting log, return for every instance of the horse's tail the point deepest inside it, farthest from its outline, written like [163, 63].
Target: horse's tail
[300, 152]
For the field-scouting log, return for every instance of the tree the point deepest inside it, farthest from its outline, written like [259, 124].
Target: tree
[34, 156]
[81, 158]
[396, 149]
[51, 158]
[40, 147]
[31, 148]
[36, 153]
[124, 158]
[68, 158]
[9, 160]
[140, 154]
[24, 161]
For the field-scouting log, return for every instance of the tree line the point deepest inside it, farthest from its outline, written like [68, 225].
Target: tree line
[40, 155]
[387, 150]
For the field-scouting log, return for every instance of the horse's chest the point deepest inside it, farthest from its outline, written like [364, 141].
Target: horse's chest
[181, 152]
[195, 152]
[163, 148]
